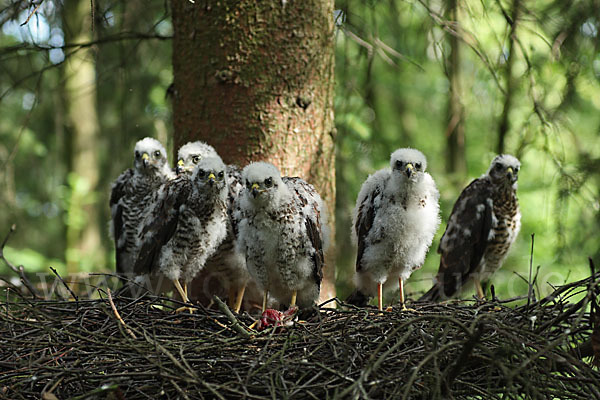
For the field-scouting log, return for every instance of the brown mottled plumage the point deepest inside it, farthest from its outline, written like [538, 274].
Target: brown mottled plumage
[481, 229]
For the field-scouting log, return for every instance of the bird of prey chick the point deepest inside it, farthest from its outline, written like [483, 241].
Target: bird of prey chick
[282, 233]
[131, 198]
[395, 219]
[190, 154]
[225, 264]
[484, 223]
[186, 226]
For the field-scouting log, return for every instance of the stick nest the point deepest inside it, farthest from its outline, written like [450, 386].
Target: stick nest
[461, 349]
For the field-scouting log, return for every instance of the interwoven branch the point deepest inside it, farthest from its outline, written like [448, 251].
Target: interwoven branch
[459, 349]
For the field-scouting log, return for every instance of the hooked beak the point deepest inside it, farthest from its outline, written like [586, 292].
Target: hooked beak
[409, 170]
[510, 173]
[255, 191]
[211, 178]
[146, 160]
[179, 169]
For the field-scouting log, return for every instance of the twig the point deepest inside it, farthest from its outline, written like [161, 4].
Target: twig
[17, 270]
[235, 324]
[529, 282]
[114, 308]
[32, 13]
[65, 284]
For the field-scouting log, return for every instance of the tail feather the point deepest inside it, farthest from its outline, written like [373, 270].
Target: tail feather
[433, 294]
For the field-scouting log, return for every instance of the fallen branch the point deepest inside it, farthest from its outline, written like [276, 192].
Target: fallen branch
[235, 323]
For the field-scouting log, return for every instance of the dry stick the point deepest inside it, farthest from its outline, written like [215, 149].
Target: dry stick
[65, 284]
[529, 283]
[174, 360]
[235, 324]
[32, 13]
[17, 270]
[114, 308]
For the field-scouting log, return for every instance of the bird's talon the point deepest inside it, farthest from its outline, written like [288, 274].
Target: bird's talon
[183, 309]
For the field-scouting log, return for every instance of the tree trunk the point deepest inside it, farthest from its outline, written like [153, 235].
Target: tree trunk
[79, 96]
[255, 80]
[511, 82]
[455, 130]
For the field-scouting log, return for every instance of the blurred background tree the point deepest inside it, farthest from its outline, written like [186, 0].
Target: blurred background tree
[459, 80]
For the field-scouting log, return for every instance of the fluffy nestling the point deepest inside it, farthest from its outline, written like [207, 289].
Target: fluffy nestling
[132, 196]
[190, 154]
[483, 225]
[395, 219]
[225, 264]
[186, 226]
[282, 232]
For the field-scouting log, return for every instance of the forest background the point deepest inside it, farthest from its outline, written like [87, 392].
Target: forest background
[459, 80]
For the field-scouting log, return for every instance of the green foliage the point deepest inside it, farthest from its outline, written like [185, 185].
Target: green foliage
[42, 198]
[392, 91]
[385, 102]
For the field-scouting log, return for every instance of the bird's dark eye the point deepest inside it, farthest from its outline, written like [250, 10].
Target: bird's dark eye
[196, 159]
[398, 164]
[498, 167]
[269, 182]
[201, 173]
[221, 175]
[418, 165]
[157, 153]
[137, 154]
[248, 184]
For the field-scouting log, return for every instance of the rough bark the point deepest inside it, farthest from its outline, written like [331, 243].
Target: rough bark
[511, 81]
[255, 80]
[79, 96]
[455, 131]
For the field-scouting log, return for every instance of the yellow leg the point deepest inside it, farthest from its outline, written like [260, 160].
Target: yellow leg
[401, 286]
[380, 296]
[185, 290]
[479, 289]
[182, 292]
[402, 299]
[239, 298]
[265, 296]
[294, 295]
[184, 297]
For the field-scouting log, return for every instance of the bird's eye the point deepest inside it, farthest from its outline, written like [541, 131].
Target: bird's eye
[157, 153]
[516, 169]
[269, 182]
[137, 154]
[418, 165]
[498, 167]
[201, 173]
[248, 184]
[196, 159]
[398, 164]
[221, 175]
